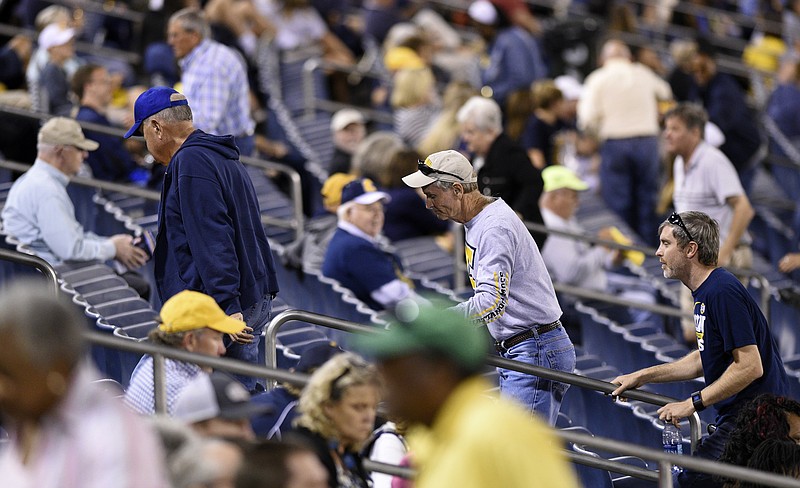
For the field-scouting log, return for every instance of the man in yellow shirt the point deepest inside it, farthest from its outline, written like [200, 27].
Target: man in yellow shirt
[431, 361]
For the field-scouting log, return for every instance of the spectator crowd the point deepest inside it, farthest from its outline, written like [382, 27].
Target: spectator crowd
[467, 120]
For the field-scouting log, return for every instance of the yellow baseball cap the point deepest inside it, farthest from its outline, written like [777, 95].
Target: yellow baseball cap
[192, 310]
[332, 189]
[557, 177]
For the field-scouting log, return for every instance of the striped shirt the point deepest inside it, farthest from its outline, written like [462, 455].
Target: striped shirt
[140, 395]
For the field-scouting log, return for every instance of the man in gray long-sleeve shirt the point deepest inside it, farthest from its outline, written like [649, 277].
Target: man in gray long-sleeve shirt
[514, 296]
[39, 213]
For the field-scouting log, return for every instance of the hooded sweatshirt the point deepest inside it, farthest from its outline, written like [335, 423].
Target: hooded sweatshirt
[210, 236]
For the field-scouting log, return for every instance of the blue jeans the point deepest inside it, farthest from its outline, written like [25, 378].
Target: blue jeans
[256, 317]
[552, 350]
[629, 181]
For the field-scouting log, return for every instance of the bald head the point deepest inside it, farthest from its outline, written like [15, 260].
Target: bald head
[615, 49]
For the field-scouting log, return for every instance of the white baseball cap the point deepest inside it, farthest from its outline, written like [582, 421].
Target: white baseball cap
[55, 35]
[214, 395]
[483, 11]
[447, 165]
[345, 117]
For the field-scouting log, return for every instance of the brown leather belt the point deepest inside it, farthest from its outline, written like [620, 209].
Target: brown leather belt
[506, 344]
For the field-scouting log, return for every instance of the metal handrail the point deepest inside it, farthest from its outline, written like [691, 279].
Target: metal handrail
[666, 461]
[590, 294]
[33, 261]
[604, 444]
[271, 338]
[297, 223]
[91, 182]
[161, 353]
[310, 102]
[765, 286]
[80, 46]
[296, 187]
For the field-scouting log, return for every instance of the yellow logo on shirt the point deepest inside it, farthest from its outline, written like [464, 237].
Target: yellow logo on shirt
[469, 254]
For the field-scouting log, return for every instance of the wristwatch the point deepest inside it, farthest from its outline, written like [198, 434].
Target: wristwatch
[697, 401]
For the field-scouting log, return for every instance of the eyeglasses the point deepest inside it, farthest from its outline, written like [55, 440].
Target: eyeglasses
[675, 219]
[427, 170]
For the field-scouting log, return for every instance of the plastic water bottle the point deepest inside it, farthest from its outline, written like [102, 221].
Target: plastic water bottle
[673, 442]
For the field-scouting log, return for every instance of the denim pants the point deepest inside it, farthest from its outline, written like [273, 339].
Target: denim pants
[552, 350]
[256, 317]
[629, 182]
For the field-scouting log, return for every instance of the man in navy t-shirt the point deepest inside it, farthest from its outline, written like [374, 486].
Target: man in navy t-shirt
[736, 354]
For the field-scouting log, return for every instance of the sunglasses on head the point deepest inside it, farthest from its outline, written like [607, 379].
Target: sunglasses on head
[675, 219]
[427, 170]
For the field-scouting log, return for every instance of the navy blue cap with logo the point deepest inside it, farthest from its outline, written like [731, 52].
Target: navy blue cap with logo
[152, 102]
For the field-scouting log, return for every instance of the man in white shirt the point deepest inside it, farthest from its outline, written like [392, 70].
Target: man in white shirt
[706, 181]
[619, 104]
[513, 295]
[574, 262]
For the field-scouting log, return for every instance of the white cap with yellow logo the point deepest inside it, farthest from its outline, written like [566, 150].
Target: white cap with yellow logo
[447, 165]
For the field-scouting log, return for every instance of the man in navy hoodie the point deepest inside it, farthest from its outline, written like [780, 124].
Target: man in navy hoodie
[210, 236]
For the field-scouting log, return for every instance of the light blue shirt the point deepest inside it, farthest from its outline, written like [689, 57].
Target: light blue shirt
[39, 213]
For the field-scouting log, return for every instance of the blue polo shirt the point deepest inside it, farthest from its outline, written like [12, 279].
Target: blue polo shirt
[726, 318]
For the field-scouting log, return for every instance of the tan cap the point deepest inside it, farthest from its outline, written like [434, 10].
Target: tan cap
[61, 131]
[447, 165]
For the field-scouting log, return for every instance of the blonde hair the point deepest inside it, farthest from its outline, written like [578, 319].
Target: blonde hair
[445, 130]
[412, 87]
[545, 94]
[329, 384]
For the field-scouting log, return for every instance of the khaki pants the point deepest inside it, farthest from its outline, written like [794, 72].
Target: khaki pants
[742, 257]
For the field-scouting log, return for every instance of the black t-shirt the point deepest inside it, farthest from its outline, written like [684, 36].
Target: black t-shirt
[540, 135]
[726, 318]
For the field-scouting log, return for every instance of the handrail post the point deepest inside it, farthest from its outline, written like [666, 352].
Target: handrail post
[664, 474]
[297, 204]
[34, 261]
[308, 87]
[159, 384]
[695, 430]
[271, 344]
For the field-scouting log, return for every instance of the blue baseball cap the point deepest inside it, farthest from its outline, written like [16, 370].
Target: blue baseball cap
[363, 191]
[153, 101]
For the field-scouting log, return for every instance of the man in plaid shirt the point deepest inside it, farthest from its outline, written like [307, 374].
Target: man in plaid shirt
[214, 79]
